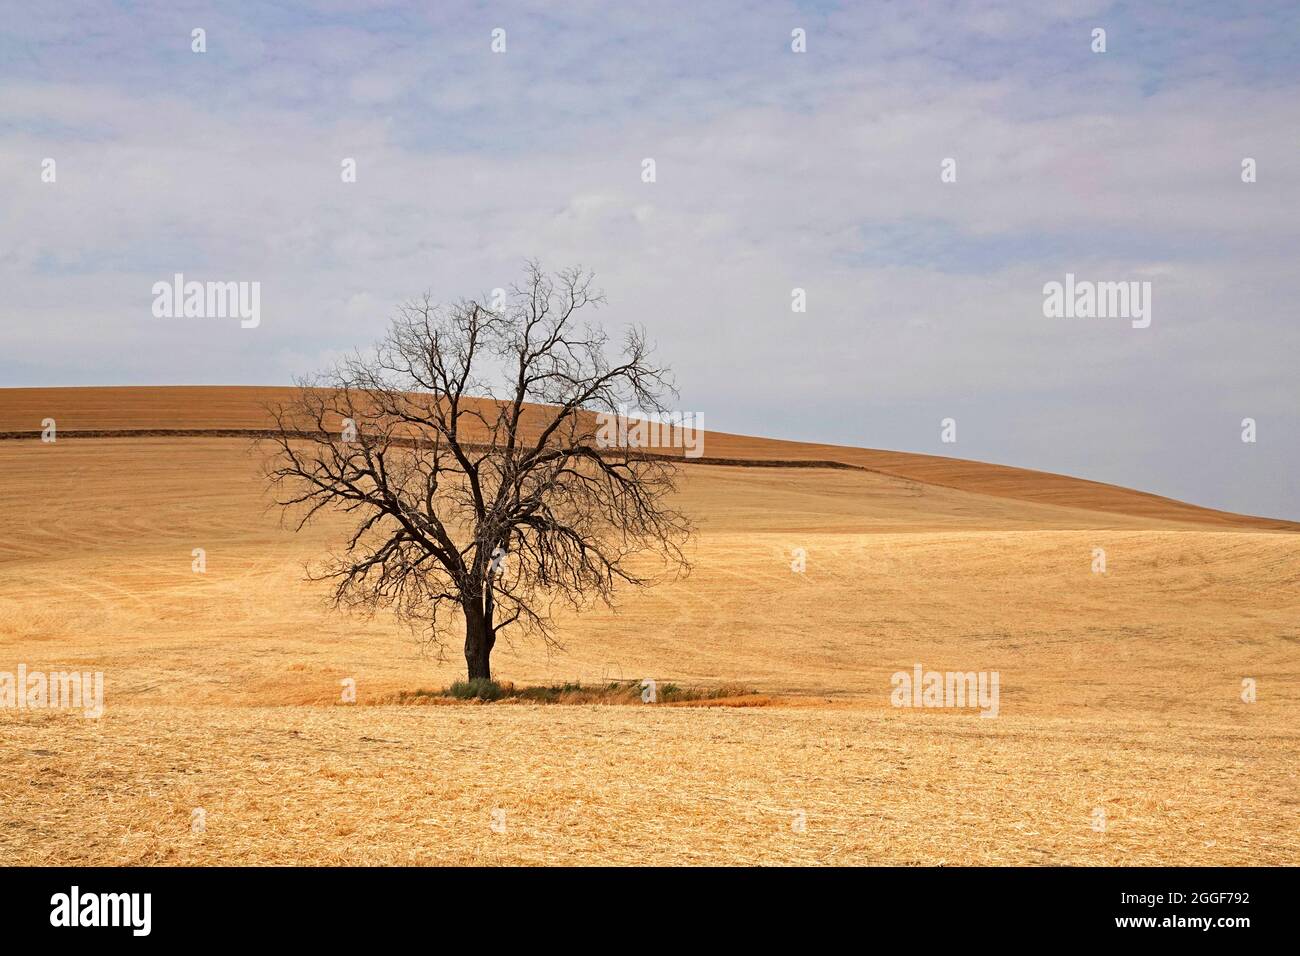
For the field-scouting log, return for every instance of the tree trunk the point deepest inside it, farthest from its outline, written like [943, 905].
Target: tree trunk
[478, 644]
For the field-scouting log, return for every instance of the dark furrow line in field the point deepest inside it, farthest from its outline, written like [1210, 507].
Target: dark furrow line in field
[306, 436]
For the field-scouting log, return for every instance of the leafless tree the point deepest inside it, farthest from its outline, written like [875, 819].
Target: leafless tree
[467, 447]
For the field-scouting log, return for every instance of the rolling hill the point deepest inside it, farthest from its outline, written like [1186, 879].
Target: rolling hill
[1120, 691]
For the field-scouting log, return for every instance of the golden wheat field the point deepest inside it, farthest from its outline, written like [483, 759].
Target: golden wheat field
[1120, 701]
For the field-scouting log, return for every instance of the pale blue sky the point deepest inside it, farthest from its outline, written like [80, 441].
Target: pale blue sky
[775, 170]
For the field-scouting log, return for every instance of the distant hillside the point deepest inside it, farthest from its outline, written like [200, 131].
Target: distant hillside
[240, 408]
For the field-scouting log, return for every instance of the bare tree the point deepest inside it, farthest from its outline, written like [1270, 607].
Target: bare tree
[466, 447]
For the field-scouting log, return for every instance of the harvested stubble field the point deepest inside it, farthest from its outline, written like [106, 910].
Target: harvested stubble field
[1119, 692]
